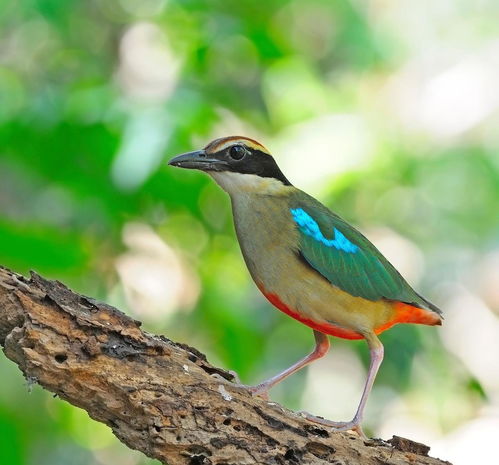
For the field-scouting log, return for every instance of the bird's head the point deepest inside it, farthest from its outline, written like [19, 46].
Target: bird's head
[236, 163]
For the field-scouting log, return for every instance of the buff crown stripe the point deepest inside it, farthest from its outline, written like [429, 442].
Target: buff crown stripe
[219, 144]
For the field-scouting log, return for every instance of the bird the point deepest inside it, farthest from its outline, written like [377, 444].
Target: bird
[308, 261]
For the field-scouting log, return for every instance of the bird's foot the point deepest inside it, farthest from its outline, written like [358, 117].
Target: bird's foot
[260, 390]
[352, 425]
[235, 376]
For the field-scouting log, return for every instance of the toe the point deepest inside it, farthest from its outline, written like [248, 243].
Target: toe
[256, 391]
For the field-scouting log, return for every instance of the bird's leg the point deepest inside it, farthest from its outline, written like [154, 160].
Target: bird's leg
[321, 349]
[376, 350]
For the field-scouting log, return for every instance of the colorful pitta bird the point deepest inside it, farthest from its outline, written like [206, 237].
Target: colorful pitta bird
[307, 261]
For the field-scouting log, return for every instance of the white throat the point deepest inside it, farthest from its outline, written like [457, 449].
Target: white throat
[234, 183]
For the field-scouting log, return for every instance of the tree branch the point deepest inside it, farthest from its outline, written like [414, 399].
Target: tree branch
[162, 398]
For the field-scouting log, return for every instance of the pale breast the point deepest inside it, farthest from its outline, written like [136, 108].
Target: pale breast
[266, 236]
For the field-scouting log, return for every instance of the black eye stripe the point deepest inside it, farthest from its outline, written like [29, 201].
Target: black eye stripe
[253, 161]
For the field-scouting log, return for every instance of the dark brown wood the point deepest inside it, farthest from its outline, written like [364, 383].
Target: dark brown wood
[162, 398]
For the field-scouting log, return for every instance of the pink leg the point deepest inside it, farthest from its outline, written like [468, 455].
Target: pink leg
[321, 349]
[376, 350]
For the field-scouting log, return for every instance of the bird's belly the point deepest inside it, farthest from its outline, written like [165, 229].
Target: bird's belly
[302, 293]
[325, 327]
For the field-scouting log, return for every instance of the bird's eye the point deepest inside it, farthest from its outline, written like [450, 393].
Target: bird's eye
[237, 152]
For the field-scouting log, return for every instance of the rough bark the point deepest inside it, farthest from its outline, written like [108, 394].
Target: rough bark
[160, 397]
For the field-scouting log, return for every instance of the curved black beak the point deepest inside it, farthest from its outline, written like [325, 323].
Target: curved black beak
[197, 160]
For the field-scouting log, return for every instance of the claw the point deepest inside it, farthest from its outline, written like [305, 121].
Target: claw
[235, 376]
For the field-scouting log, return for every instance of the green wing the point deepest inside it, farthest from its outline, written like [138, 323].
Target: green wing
[346, 258]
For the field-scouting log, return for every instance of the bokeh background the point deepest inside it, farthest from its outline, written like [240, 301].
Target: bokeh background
[386, 110]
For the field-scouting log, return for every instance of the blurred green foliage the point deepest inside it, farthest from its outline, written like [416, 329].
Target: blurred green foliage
[96, 95]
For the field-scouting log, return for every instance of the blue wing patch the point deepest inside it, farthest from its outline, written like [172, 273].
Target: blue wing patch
[310, 227]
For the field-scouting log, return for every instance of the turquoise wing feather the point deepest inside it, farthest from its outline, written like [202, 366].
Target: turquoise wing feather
[346, 258]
